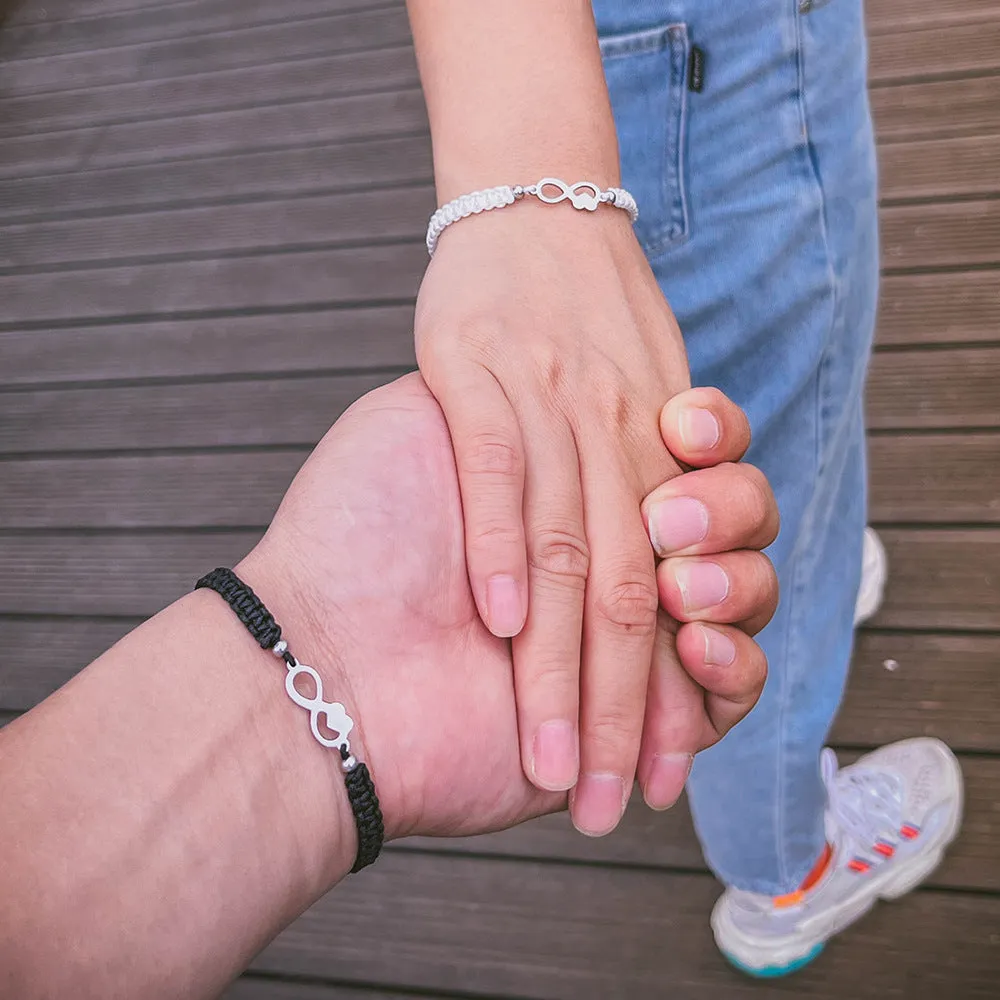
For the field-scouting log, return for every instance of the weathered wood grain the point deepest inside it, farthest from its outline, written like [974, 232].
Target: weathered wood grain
[292, 281]
[379, 337]
[530, 930]
[957, 307]
[246, 45]
[254, 174]
[935, 389]
[930, 478]
[257, 127]
[245, 413]
[941, 108]
[322, 221]
[211, 90]
[950, 235]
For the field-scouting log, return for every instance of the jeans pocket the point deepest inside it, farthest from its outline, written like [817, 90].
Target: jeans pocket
[647, 79]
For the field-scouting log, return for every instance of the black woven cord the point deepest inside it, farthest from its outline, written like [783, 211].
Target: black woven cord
[367, 813]
[261, 624]
[248, 606]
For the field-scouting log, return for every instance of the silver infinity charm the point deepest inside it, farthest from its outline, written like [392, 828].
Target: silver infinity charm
[583, 194]
[337, 718]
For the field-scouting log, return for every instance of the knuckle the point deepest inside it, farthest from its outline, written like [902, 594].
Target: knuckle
[488, 454]
[560, 553]
[630, 606]
[759, 499]
[615, 404]
[610, 734]
[495, 535]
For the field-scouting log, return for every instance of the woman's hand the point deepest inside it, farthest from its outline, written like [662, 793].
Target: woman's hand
[364, 566]
[551, 350]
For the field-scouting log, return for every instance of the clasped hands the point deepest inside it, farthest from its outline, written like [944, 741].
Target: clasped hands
[365, 566]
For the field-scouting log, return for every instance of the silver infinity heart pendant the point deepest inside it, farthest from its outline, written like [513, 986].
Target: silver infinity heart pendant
[582, 195]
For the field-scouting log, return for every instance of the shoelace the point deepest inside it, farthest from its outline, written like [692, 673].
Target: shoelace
[866, 804]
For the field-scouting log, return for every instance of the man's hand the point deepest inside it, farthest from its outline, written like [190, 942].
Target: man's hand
[365, 566]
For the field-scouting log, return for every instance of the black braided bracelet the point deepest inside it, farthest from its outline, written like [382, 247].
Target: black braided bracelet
[360, 788]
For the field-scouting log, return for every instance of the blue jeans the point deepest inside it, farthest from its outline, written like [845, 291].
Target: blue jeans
[758, 213]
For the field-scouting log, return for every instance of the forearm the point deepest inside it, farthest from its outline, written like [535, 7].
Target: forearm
[515, 91]
[163, 816]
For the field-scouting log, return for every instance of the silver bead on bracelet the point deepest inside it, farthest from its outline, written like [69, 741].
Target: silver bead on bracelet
[583, 195]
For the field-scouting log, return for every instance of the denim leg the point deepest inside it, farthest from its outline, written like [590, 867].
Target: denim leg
[758, 209]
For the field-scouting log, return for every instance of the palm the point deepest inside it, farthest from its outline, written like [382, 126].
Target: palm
[431, 688]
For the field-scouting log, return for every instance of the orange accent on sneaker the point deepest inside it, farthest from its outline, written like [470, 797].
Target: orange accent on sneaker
[909, 831]
[817, 872]
[819, 869]
[857, 865]
[886, 850]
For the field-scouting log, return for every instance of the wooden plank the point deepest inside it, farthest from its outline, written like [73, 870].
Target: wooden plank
[951, 235]
[591, 933]
[889, 16]
[318, 279]
[960, 307]
[239, 489]
[302, 79]
[930, 478]
[921, 684]
[104, 29]
[43, 12]
[940, 168]
[942, 579]
[943, 685]
[248, 46]
[937, 109]
[250, 987]
[61, 647]
[935, 389]
[667, 840]
[926, 479]
[934, 51]
[924, 236]
[326, 220]
[319, 170]
[380, 337]
[244, 414]
[251, 128]
[914, 309]
[138, 574]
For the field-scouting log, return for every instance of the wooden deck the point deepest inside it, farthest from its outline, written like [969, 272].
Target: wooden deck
[210, 239]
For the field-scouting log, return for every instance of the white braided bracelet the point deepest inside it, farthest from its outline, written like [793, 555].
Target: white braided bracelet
[584, 195]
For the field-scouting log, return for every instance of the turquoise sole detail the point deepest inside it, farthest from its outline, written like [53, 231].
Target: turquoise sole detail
[777, 971]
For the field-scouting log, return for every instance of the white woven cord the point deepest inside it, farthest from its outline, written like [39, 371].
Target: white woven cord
[583, 195]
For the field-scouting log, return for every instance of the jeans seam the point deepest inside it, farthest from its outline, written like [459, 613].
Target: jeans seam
[784, 873]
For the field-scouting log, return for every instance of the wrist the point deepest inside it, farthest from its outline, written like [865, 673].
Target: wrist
[309, 817]
[318, 640]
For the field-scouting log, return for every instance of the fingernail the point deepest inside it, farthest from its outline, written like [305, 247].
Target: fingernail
[555, 758]
[676, 523]
[702, 584]
[598, 803]
[504, 606]
[666, 779]
[720, 650]
[700, 430]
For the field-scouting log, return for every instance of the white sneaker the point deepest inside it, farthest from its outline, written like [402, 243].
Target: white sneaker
[874, 570]
[889, 819]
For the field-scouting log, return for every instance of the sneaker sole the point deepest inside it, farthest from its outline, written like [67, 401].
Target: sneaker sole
[789, 957]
